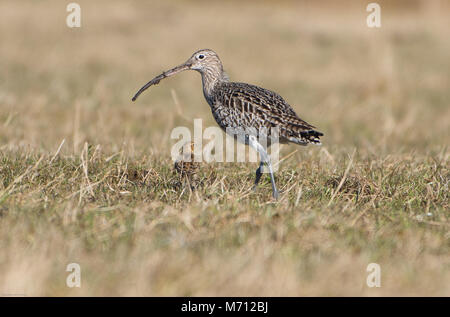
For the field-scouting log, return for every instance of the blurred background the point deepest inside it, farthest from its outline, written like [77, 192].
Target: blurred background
[382, 88]
[383, 92]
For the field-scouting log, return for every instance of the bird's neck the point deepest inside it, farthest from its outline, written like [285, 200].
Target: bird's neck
[211, 77]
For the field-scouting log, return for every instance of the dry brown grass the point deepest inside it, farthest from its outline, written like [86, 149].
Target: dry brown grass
[110, 201]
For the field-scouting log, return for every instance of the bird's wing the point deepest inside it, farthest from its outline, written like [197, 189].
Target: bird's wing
[271, 110]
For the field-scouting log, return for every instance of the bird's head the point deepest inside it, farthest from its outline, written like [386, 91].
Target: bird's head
[203, 60]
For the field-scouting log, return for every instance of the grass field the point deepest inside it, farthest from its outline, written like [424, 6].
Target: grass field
[86, 176]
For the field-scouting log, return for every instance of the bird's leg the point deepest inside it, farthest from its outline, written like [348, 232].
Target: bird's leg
[272, 180]
[258, 175]
[265, 159]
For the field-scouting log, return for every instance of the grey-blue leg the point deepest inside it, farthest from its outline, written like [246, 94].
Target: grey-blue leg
[265, 159]
[258, 175]
[272, 180]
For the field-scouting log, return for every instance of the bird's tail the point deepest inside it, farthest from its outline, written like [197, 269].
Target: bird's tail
[307, 137]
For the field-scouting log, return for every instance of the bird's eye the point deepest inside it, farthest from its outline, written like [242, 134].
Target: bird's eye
[201, 56]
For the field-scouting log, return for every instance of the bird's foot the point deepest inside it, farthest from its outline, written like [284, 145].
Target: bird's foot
[275, 194]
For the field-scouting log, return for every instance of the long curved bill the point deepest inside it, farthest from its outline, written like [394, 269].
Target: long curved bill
[157, 79]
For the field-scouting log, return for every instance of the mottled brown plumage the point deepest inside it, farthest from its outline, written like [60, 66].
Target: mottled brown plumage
[247, 108]
[244, 105]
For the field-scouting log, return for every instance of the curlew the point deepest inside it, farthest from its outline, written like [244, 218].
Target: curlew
[252, 110]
